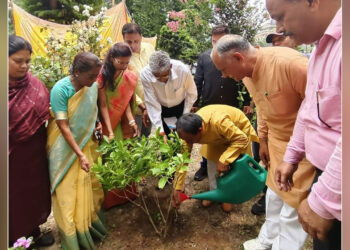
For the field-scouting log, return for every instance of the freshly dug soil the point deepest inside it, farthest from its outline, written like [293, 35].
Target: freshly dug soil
[193, 227]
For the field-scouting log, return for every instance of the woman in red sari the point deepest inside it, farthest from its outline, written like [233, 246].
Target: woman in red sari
[117, 98]
[29, 185]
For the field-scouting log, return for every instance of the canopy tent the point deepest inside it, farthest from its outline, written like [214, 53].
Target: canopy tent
[36, 30]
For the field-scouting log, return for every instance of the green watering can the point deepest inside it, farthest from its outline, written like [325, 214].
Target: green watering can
[245, 179]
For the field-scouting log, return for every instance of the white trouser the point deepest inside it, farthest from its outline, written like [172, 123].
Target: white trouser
[281, 230]
[211, 168]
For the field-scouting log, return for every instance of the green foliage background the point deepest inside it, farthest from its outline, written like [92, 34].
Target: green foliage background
[240, 16]
[193, 36]
[64, 12]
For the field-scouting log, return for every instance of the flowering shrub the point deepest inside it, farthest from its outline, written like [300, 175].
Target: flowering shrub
[22, 243]
[186, 33]
[174, 15]
[85, 36]
[173, 25]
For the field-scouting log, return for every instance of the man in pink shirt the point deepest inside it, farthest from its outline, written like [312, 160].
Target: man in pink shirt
[317, 131]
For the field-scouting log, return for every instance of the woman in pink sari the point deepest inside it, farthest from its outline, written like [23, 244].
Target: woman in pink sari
[117, 98]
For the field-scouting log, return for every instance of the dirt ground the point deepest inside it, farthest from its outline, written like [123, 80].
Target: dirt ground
[194, 227]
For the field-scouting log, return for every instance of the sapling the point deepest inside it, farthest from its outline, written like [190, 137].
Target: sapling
[127, 162]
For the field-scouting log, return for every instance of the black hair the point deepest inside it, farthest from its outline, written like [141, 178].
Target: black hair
[84, 61]
[189, 123]
[120, 49]
[17, 43]
[130, 28]
[220, 29]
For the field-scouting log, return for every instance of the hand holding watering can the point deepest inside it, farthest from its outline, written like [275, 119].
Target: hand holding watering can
[244, 179]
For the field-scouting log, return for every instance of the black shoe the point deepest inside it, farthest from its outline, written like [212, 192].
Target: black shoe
[259, 207]
[44, 240]
[201, 174]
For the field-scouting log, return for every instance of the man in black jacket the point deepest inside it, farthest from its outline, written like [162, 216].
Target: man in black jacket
[213, 89]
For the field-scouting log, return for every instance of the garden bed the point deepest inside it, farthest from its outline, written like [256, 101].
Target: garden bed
[194, 227]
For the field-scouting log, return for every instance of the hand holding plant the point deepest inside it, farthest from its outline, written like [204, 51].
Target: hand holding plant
[136, 130]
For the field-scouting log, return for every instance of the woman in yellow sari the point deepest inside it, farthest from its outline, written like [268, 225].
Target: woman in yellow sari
[117, 98]
[76, 194]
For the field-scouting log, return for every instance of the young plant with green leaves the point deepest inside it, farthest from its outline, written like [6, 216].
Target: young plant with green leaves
[126, 162]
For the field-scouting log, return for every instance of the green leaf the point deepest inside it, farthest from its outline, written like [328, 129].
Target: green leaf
[156, 171]
[162, 182]
[183, 169]
[164, 148]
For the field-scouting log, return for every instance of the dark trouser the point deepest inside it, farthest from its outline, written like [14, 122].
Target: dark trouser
[204, 163]
[255, 146]
[334, 234]
[255, 149]
[334, 238]
[176, 111]
[146, 131]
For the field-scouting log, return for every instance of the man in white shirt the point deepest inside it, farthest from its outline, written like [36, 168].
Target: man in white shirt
[169, 89]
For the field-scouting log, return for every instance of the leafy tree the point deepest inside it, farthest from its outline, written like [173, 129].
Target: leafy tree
[150, 15]
[62, 11]
[240, 16]
[11, 28]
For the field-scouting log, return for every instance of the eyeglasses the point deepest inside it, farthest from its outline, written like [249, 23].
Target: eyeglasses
[121, 63]
[318, 111]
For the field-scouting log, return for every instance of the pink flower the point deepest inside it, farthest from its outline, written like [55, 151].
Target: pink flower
[173, 25]
[181, 15]
[217, 9]
[22, 242]
[172, 14]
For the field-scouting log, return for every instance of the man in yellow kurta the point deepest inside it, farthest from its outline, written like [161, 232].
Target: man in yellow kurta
[225, 133]
[141, 53]
[276, 79]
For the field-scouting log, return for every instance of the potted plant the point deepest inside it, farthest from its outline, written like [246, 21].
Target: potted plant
[125, 163]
